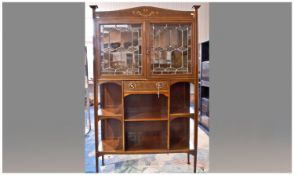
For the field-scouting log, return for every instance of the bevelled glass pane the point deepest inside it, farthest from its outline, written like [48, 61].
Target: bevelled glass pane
[170, 49]
[121, 49]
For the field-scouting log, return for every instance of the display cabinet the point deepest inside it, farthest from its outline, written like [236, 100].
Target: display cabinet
[145, 76]
[204, 85]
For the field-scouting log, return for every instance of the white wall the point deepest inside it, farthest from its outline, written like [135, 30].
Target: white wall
[185, 6]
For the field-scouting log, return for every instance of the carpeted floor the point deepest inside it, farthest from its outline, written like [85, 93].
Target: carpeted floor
[147, 163]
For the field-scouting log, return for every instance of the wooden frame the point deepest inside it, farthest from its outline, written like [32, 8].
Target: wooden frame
[134, 117]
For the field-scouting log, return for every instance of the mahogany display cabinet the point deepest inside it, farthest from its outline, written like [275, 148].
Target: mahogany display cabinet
[145, 81]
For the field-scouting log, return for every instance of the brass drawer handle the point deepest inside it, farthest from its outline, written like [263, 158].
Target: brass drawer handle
[159, 85]
[132, 85]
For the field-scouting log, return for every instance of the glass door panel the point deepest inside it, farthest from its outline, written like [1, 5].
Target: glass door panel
[121, 49]
[170, 49]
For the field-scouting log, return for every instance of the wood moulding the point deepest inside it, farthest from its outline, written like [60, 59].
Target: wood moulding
[144, 12]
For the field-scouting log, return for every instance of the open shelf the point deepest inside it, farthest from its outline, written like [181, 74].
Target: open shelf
[146, 135]
[111, 99]
[204, 92]
[180, 98]
[180, 133]
[145, 106]
[204, 83]
[205, 106]
[150, 92]
[110, 145]
[112, 112]
[111, 135]
[189, 113]
[149, 151]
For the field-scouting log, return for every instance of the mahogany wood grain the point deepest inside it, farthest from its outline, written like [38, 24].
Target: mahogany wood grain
[135, 120]
[145, 106]
[180, 132]
[111, 101]
[180, 97]
[146, 135]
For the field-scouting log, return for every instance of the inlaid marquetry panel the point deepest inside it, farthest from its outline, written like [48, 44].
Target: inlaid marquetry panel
[145, 85]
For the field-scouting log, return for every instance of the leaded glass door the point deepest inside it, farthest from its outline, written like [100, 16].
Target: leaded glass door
[170, 49]
[121, 50]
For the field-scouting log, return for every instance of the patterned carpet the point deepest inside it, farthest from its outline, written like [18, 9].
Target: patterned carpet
[147, 163]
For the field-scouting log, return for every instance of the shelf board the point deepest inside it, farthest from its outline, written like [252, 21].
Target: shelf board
[108, 112]
[110, 117]
[177, 148]
[178, 115]
[110, 145]
[148, 151]
[204, 120]
[134, 150]
[204, 83]
[179, 112]
[146, 119]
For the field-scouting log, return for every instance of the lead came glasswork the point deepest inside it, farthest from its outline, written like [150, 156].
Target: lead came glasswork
[171, 49]
[121, 49]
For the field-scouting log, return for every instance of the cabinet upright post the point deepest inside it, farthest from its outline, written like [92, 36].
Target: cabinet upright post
[196, 7]
[95, 49]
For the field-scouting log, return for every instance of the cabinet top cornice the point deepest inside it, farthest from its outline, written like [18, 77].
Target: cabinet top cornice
[145, 12]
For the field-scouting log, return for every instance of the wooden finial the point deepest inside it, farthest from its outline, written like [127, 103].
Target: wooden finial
[196, 7]
[93, 7]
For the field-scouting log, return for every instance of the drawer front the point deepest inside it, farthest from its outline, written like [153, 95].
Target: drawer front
[145, 86]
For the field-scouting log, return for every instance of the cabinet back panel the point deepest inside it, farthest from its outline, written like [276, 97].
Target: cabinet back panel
[146, 135]
[111, 134]
[111, 95]
[180, 97]
[179, 133]
[145, 106]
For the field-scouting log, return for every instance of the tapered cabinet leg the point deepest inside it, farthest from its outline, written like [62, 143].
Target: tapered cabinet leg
[97, 164]
[188, 158]
[195, 161]
[102, 160]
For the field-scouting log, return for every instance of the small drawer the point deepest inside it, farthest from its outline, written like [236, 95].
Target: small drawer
[145, 86]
